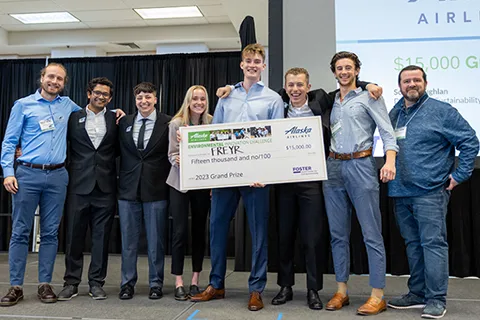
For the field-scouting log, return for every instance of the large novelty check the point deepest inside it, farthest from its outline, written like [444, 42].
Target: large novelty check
[239, 154]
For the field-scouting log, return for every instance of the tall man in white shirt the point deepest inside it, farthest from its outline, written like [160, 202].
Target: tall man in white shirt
[91, 199]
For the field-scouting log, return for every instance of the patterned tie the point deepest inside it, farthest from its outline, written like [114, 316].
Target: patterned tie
[141, 135]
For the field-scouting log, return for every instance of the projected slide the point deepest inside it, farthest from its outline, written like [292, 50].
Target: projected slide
[442, 36]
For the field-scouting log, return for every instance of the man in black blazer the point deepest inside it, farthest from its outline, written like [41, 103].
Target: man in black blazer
[91, 198]
[142, 189]
[301, 205]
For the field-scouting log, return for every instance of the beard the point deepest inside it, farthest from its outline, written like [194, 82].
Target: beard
[413, 95]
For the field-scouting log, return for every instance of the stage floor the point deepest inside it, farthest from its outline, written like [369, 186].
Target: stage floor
[463, 298]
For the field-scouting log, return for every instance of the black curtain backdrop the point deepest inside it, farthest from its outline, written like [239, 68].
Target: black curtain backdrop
[173, 74]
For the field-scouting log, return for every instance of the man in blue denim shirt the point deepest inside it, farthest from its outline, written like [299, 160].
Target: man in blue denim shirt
[352, 179]
[427, 132]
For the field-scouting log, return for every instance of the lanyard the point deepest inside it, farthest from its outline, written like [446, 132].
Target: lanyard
[398, 117]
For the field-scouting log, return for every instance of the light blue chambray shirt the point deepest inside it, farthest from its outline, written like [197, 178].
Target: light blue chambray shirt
[38, 147]
[358, 115]
[260, 103]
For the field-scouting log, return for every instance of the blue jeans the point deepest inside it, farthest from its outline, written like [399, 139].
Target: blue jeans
[47, 189]
[355, 182]
[422, 224]
[154, 215]
[224, 206]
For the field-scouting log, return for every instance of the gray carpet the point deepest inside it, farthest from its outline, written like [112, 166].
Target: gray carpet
[463, 298]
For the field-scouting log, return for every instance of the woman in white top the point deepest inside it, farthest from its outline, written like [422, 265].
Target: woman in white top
[194, 111]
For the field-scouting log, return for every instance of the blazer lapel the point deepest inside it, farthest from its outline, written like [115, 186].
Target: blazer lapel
[129, 131]
[108, 124]
[317, 111]
[158, 130]
[81, 123]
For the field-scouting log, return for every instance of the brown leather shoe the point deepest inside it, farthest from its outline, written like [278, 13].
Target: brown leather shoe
[45, 293]
[13, 295]
[372, 306]
[209, 294]
[337, 302]
[255, 303]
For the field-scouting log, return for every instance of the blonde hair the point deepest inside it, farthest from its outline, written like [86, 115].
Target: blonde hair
[184, 113]
[253, 49]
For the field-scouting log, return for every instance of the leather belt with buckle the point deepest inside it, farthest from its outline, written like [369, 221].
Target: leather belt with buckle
[350, 156]
[42, 166]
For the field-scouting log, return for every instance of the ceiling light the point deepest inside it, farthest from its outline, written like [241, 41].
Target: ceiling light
[169, 12]
[47, 17]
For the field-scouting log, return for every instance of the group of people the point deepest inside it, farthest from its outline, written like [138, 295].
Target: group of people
[419, 168]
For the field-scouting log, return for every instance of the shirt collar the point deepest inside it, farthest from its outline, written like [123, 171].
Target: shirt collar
[301, 108]
[38, 96]
[152, 116]
[90, 112]
[239, 84]
[355, 92]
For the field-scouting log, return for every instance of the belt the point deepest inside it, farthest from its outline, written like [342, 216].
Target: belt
[42, 166]
[350, 156]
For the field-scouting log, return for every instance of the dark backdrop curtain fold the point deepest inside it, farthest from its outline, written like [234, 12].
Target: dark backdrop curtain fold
[173, 74]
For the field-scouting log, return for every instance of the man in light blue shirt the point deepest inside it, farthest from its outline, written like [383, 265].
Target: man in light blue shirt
[352, 179]
[38, 123]
[250, 100]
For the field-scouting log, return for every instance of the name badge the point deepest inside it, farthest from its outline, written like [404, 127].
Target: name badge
[46, 125]
[81, 120]
[335, 128]
[401, 133]
[129, 128]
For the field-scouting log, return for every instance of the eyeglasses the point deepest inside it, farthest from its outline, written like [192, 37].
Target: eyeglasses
[100, 93]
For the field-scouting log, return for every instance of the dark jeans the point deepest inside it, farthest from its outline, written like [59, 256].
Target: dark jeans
[301, 206]
[199, 202]
[224, 206]
[96, 210]
[422, 223]
[154, 215]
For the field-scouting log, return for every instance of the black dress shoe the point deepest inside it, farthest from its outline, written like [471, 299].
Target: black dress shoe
[285, 294]
[155, 293]
[180, 294]
[126, 292]
[194, 290]
[313, 300]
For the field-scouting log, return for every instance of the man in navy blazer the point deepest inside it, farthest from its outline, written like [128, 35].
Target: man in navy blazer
[142, 189]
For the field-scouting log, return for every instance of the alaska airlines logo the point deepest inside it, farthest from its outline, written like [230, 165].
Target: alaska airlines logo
[296, 130]
[201, 136]
[447, 17]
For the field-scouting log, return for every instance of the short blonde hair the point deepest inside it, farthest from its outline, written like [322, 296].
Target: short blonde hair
[184, 113]
[296, 72]
[254, 49]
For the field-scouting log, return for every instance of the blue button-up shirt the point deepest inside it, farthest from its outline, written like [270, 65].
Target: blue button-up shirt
[259, 103]
[353, 122]
[38, 147]
[427, 152]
